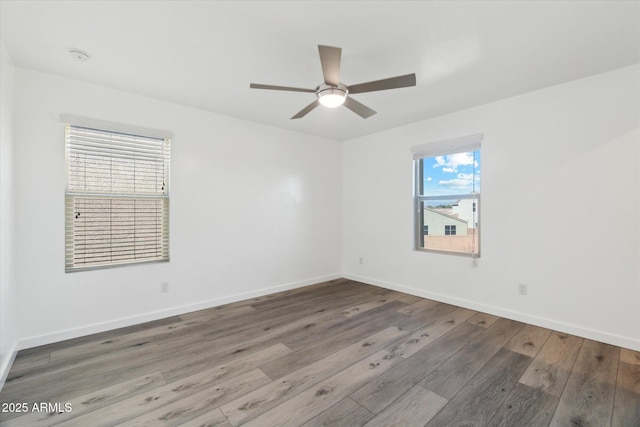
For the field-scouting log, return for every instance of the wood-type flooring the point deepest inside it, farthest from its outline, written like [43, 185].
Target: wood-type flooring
[339, 353]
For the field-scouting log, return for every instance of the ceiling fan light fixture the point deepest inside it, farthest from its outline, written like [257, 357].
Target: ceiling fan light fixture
[332, 97]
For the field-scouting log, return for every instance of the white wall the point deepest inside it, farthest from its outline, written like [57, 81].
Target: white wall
[8, 285]
[254, 209]
[564, 161]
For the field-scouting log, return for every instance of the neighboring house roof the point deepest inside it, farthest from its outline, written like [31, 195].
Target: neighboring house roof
[455, 218]
[446, 211]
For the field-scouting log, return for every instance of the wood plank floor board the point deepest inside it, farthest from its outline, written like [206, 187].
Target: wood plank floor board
[214, 418]
[364, 307]
[54, 366]
[478, 401]
[405, 298]
[630, 356]
[169, 401]
[113, 347]
[92, 401]
[315, 400]
[448, 378]
[353, 354]
[316, 351]
[94, 374]
[193, 405]
[434, 312]
[230, 365]
[320, 297]
[326, 289]
[257, 338]
[413, 409]
[329, 320]
[426, 335]
[344, 413]
[30, 361]
[343, 298]
[214, 372]
[201, 324]
[319, 288]
[626, 407]
[411, 323]
[381, 392]
[215, 313]
[301, 339]
[525, 406]
[483, 319]
[311, 329]
[152, 335]
[101, 336]
[587, 399]
[419, 307]
[269, 396]
[306, 304]
[551, 367]
[284, 318]
[84, 375]
[529, 340]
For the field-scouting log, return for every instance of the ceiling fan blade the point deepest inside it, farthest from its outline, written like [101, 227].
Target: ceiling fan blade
[306, 110]
[272, 87]
[358, 108]
[384, 84]
[330, 61]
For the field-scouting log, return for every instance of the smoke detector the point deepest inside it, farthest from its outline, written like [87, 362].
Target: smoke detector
[79, 55]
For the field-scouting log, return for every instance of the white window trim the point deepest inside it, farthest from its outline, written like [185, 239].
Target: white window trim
[461, 144]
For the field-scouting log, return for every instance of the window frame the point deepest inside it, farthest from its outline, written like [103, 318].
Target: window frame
[444, 147]
[450, 230]
[73, 196]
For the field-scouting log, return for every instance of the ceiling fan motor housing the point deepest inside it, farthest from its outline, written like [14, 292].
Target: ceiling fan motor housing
[332, 96]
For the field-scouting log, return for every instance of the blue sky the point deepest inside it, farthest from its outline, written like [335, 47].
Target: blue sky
[452, 174]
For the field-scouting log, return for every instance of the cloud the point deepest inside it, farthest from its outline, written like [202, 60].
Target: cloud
[428, 178]
[456, 183]
[462, 182]
[450, 162]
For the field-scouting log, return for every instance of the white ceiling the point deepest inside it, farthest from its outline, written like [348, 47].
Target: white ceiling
[204, 53]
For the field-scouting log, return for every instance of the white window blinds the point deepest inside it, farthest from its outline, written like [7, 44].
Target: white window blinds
[448, 146]
[117, 198]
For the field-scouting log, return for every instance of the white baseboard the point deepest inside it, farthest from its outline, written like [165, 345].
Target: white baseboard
[6, 364]
[555, 325]
[161, 314]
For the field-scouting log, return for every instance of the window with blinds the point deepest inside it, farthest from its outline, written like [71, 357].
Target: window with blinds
[117, 198]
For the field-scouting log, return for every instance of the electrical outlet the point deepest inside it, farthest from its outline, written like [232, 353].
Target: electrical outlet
[164, 287]
[361, 260]
[522, 289]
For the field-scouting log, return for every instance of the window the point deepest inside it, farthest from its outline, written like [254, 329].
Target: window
[117, 198]
[447, 196]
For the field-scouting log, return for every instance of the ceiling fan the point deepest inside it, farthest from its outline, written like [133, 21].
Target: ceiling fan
[332, 93]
